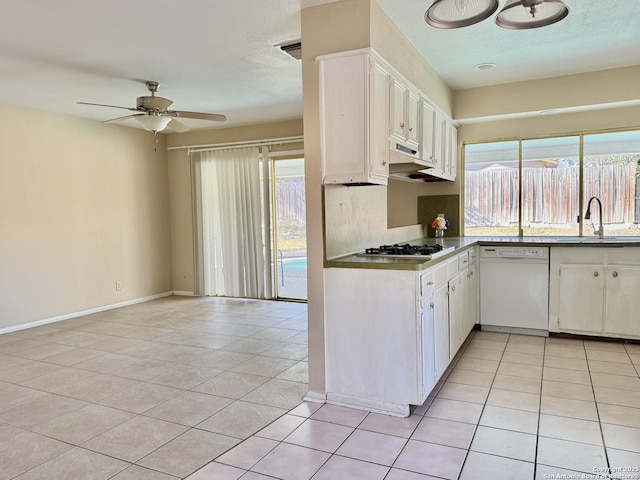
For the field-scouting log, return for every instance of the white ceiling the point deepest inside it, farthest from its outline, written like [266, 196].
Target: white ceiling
[597, 35]
[219, 56]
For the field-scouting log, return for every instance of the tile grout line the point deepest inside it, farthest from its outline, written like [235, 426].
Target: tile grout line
[544, 356]
[464, 461]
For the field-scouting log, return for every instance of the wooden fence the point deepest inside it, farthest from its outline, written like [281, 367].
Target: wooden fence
[550, 195]
[290, 200]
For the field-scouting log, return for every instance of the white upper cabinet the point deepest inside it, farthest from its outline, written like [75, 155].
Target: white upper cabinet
[428, 150]
[354, 102]
[451, 152]
[439, 138]
[370, 115]
[404, 112]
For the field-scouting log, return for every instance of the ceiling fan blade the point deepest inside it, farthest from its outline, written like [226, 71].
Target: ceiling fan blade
[176, 126]
[126, 117]
[111, 106]
[198, 115]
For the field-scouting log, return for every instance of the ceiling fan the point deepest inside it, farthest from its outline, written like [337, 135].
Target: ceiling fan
[154, 114]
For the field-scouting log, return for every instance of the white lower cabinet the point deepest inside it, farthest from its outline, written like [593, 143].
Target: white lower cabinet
[594, 291]
[472, 296]
[391, 334]
[463, 301]
[581, 289]
[622, 301]
[434, 306]
[456, 314]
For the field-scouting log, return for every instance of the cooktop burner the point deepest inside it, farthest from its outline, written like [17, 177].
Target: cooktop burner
[406, 249]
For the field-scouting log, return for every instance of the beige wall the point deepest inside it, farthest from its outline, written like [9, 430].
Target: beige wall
[571, 91]
[180, 185]
[82, 205]
[541, 125]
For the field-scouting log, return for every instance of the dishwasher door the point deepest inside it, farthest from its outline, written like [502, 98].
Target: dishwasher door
[514, 288]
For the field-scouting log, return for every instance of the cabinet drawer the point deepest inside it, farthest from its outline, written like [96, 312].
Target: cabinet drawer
[624, 256]
[452, 265]
[473, 255]
[441, 274]
[427, 282]
[463, 260]
[580, 255]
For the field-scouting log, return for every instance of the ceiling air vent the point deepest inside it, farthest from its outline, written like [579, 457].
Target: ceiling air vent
[294, 49]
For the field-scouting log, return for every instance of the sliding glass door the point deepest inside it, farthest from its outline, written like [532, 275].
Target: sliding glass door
[289, 226]
[249, 224]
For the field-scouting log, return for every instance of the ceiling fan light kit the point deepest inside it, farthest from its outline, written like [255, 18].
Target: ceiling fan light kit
[154, 114]
[516, 14]
[153, 122]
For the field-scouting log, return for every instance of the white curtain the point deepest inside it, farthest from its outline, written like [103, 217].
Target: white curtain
[228, 223]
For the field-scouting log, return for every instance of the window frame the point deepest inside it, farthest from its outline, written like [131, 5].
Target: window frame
[581, 200]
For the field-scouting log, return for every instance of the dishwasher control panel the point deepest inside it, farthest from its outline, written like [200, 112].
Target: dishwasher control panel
[514, 252]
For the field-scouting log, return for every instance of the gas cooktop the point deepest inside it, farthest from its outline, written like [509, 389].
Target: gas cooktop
[406, 250]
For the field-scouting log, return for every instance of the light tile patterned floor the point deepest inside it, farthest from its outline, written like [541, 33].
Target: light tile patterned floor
[151, 391]
[503, 411]
[204, 388]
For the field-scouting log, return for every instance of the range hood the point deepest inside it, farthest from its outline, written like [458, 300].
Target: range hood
[409, 169]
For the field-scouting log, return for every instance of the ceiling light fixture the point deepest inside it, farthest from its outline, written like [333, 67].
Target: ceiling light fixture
[153, 122]
[485, 66]
[536, 13]
[459, 13]
[462, 13]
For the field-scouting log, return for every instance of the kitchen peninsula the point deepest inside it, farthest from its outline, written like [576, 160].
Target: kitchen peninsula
[394, 325]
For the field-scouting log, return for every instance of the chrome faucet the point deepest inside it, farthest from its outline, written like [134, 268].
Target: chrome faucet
[587, 216]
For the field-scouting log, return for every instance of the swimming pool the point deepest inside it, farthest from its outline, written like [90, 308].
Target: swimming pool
[300, 263]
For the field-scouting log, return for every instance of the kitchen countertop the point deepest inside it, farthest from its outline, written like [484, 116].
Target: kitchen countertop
[461, 243]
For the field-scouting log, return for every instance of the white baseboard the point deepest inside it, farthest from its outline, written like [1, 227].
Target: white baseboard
[392, 409]
[182, 293]
[67, 316]
[315, 397]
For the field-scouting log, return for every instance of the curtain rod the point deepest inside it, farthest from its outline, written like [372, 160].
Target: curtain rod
[247, 143]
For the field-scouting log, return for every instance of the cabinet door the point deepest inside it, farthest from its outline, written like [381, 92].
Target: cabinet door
[427, 347]
[349, 120]
[622, 301]
[439, 127]
[439, 304]
[452, 152]
[397, 110]
[412, 112]
[427, 135]
[378, 120]
[472, 298]
[456, 314]
[581, 297]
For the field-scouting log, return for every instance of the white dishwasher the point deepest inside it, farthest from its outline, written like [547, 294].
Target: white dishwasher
[514, 289]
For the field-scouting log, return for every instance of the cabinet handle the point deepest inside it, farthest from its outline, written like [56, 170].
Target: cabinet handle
[595, 274]
[453, 289]
[615, 274]
[429, 283]
[402, 125]
[411, 129]
[431, 305]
